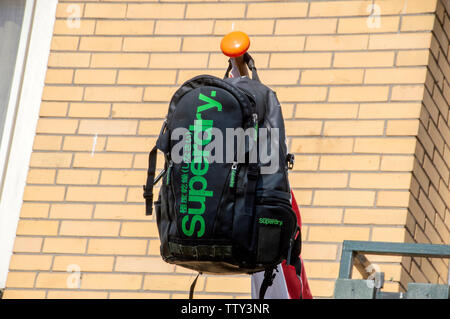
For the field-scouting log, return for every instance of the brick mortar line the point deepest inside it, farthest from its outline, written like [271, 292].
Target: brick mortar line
[92, 237]
[50, 219]
[94, 31]
[275, 24]
[155, 291]
[267, 53]
[396, 60]
[300, 153]
[83, 95]
[55, 178]
[440, 197]
[431, 156]
[177, 274]
[245, 10]
[116, 79]
[400, 22]
[369, 208]
[143, 170]
[274, 87]
[318, 206]
[366, 35]
[374, 207]
[84, 9]
[86, 202]
[285, 102]
[437, 23]
[419, 267]
[119, 69]
[347, 224]
[436, 61]
[246, 18]
[217, 68]
[65, 193]
[297, 119]
[292, 120]
[305, 234]
[425, 216]
[417, 224]
[385, 128]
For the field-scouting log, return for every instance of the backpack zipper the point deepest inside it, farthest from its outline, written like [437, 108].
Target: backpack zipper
[255, 126]
[230, 183]
[233, 174]
[169, 170]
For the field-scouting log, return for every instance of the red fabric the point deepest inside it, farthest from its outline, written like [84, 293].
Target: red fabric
[296, 210]
[293, 283]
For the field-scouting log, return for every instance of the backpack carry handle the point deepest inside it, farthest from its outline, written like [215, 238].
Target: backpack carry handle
[251, 65]
[248, 60]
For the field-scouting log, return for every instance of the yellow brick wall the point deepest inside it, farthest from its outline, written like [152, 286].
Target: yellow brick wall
[364, 92]
[429, 216]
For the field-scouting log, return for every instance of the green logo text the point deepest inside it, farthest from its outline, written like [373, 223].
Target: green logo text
[270, 221]
[196, 186]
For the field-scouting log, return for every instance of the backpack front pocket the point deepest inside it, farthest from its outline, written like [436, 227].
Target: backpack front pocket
[274, 226]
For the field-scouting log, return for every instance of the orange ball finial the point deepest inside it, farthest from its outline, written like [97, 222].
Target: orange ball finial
[235, 44]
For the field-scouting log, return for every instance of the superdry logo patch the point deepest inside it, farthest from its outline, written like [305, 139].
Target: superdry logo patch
[270, 221]
[194, 188]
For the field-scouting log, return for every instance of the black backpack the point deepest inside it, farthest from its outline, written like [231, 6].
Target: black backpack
[230, 216]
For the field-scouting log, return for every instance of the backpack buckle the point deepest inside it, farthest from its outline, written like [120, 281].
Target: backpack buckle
[290, 159]
[147, 194]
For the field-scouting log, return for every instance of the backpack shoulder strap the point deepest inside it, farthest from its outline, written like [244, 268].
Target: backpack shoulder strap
[151, 180]
[192, 288]
[148, 188]
[269, 276]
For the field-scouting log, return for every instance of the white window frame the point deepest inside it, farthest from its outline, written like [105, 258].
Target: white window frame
[21, 119]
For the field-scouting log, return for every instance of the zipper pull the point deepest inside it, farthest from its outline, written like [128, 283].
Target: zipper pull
[233, 174]
[169, 170]
[255, 125]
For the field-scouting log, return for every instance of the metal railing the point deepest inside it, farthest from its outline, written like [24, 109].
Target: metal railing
[353, 254]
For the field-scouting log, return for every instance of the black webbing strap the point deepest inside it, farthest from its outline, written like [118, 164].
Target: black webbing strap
[201, 251]
[269, 276]
[295, 247]
[148, 188]
[250, 63]
[230, 67]
[293, 258]
[244, 218]
[191, 290]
